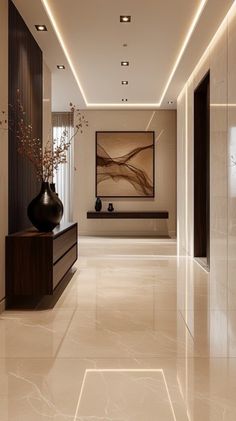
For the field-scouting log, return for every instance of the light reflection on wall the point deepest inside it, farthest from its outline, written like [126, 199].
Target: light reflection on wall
[232, 162]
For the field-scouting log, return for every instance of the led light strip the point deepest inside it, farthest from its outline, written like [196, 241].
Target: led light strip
[222, 105]
[186, 41]
[63, 46]
[203, 57]
[131, 105]
[124, 370]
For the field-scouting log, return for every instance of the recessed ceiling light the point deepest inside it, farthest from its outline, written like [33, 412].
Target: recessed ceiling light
[124, 63]
[124, 100]
[41, 28]
[124, 82]
[170, 102]
[125, 19]
[61, 66]
[149, 105]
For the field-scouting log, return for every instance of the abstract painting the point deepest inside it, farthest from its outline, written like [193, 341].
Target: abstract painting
[125, 164]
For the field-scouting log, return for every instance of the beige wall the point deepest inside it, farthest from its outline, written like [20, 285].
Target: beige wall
[4, 144]
[220, 59]
[164, 124]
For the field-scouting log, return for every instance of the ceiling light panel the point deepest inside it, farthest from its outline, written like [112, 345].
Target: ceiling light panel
[41, 28]
[125, 19]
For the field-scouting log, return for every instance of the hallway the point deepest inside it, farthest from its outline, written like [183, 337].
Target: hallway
[132, 338]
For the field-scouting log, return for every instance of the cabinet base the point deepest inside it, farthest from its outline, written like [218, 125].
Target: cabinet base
[45, 302]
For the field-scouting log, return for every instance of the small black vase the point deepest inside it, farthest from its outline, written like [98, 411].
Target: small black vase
[45, 210]
[53, 189]
[110, 207]
[98, 205]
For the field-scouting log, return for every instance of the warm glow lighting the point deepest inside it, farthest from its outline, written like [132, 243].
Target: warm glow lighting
[130, 105]
[183, 48]
[222, 105]
[41, 28]
[125, 370]
[125, 19]
[151, 118]
[124, 63]
[61, 66]
[206, 50]
[124, 82]
[63, 46]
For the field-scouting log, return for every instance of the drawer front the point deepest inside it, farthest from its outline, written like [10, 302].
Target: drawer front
[64, 242]
[63, 265]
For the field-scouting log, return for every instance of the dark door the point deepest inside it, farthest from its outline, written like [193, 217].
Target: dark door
[202, 169]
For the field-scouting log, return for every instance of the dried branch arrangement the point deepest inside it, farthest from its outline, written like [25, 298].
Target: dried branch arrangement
[3, 120]
[44, 161]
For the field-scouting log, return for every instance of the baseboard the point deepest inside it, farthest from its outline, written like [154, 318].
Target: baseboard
[122, 234]
[2, 305]
[154, 234]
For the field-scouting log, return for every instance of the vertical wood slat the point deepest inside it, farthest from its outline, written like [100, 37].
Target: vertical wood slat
[25, 74]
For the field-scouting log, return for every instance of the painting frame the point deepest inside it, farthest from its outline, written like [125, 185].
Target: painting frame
[151, 135]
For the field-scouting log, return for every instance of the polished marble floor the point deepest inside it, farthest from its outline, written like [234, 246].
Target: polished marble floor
[134, 337]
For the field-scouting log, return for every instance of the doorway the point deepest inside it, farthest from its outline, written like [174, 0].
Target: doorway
[202, 171]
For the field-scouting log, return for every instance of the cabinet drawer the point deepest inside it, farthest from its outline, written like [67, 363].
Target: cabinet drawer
[63, 265]
[64, 242]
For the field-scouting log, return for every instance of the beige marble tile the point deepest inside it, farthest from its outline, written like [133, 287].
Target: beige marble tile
[218, 170]
[81, 390]
[131, 338]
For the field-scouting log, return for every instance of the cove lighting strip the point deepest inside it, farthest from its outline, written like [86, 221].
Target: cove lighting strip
[129, 105]
[203, 57]
[123, 370]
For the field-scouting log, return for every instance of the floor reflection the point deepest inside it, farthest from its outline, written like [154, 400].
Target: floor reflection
[135, 336]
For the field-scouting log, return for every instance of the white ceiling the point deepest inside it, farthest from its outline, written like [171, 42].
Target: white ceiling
[87, 36]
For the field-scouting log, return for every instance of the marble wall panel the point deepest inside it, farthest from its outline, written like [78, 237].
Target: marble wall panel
[232, 161]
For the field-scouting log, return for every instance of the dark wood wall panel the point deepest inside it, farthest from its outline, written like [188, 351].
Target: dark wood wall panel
[25, 74]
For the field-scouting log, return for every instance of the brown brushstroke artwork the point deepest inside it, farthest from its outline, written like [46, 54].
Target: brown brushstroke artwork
[125, 164]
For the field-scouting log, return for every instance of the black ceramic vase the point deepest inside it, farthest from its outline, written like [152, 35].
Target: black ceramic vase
[98, 205]
[110, 207]
[45, 211]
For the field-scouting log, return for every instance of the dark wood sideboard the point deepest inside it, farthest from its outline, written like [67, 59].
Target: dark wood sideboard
[37, 263]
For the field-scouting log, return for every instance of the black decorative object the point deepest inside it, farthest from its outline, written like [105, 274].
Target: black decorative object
[46, 210]
[110, 207]
[98, 205]
[53, 188]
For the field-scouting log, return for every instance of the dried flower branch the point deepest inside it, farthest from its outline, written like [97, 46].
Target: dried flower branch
[3, 120]
[45, 162]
